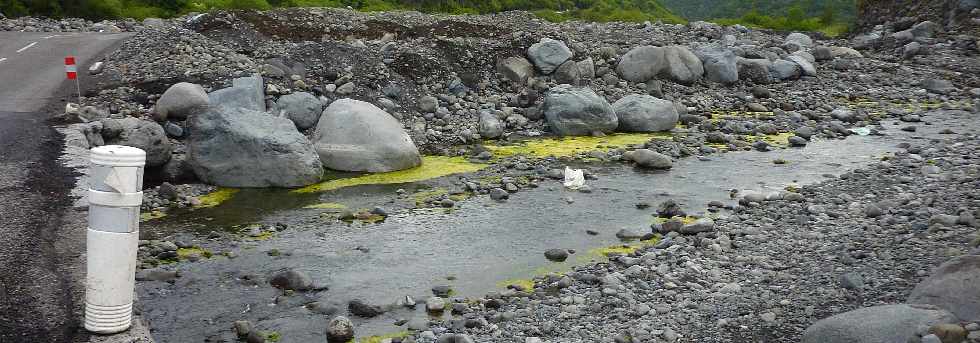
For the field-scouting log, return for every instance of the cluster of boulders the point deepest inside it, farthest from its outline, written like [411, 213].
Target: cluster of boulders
[231, 140]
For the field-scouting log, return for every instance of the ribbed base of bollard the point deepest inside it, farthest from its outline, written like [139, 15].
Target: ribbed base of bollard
[108, 319]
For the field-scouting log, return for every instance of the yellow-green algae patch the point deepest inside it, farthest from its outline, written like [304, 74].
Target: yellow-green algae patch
[380, 338]
[185, 253]
[327, 206]
[569, 146]
[432, 167]
[155, 214]
[686, 220]
[527, 284]
[619, 249]
[779, 139]
[215, 198]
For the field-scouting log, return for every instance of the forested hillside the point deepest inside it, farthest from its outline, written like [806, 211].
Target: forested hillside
[712, 9]
[595, 10]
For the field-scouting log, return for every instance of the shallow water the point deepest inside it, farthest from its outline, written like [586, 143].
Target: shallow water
[479, 244]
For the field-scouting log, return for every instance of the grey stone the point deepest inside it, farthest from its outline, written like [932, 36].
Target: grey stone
[755, 70]
[682, 66]
[786, 70]
[911, 49]
[245, 148]
[568, 73]
[577, 111]
[361, 308]
[649, 159]
[853, 281]
[808, 68]
[720, 65]
[557, 255]
[937, 86]
[302, 108]
[428, 104]
[143, 134]
[354, 135]
[800, 39]
[954, 286]
[886, 323]
[700, 225]
[642, 63]
[586, 69]
[180, 101]
[644, 113]
[291, 279]
[515, 69]
[926, 29]
[490, 126]
[245, 92]
[499, 194]
[822, 53]
[548, 54]
[340, 330]
[242, 328]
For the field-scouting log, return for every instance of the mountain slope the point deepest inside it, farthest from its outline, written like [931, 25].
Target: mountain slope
[710, 9]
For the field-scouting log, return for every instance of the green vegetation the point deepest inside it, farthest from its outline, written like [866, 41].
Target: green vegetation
[556, 10]
[432, 167]
[795, 18]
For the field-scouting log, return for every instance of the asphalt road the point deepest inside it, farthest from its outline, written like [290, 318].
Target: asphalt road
[40, 258]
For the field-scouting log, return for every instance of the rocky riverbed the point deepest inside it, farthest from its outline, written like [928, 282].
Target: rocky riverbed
[419, 150]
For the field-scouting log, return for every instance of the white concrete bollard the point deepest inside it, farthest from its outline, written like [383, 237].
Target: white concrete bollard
[114, 196]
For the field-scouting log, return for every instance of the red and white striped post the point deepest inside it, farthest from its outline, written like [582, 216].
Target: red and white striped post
[71, 71]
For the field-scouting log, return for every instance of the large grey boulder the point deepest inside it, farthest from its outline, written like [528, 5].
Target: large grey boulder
[548, 54]
[237, 147]
[937, 86]
[354, 135]
[245, 92]
[805, 65]
[650, 159]
[800, 39]
[720, 65]
[755, 70]
[645, 113]
[641, 63]
[302, 108]
[180, 101]
[568, 73]
[786, 70]
[877, 324]
[682, 66]
[578, 111]
[490, 125]
[143, 134]
[954, 286]
[515, 69]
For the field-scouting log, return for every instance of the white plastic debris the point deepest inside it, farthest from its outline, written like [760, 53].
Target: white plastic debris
[71, 108]
[574, 178]
[861, 131]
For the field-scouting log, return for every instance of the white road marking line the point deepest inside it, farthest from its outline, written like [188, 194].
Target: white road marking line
[3, 59]
[49, 37]
[26, 47]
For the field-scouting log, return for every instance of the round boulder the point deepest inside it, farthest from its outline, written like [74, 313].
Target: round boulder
[650, 159]
[354, 135]
[340, 330]
[886, 323]
[143, 134]
[578, 111]
[180, 101]
[645, 113]
[302, 108]
[955, 286]
[548, 54]
[641, 63]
